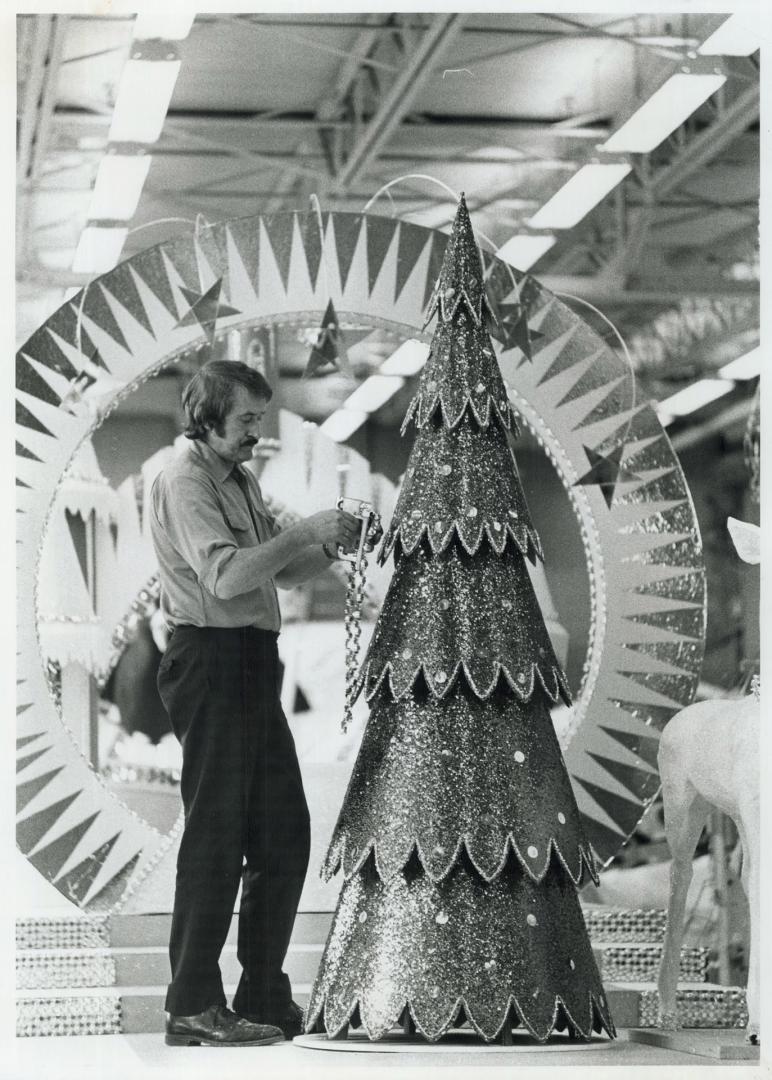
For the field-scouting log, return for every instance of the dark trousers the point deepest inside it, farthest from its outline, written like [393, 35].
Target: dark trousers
[245, 818]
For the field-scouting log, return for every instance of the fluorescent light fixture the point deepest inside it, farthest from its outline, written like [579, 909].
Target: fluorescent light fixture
[407, 360]
[666, 109]
[119, 182]
[524, 249]
[144, 93]
[581, 193]
[694, 397]
[744, 367]
[168, 25]
[341, 424]
[736, 36]
[667, 42]
[99, 249]
[374, 392]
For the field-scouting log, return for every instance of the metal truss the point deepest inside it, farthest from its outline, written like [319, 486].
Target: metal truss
[618, 241]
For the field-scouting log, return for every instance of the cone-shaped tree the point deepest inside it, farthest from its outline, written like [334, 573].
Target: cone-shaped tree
[459, 836]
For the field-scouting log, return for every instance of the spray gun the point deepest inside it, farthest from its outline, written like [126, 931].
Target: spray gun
[370, 523]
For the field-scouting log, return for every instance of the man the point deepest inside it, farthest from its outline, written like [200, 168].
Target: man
[220, 556]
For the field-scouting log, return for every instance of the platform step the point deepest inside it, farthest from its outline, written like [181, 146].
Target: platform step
[140, 1009]
[623, 962]
[625, 924]
[93, 931]
[130, 966]
[79, 931]
[148, 965]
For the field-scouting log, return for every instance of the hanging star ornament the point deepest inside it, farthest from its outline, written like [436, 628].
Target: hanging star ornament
[606, 471]
[510, 327]
[328, 347]
[205, 309]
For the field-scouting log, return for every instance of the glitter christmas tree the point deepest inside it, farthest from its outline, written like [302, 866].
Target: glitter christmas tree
[459, 837]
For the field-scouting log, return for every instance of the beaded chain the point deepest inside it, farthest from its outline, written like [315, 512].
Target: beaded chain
[353, 614]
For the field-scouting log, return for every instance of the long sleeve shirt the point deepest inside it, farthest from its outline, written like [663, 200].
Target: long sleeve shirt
[205, 514]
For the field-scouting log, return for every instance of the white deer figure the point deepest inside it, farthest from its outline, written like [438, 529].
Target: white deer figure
[709, 757]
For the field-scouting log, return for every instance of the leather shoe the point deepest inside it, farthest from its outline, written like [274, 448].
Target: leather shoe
[290, 1019]
[218, 1026]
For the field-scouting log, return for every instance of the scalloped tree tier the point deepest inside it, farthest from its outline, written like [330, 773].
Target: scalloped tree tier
[509, 950]
[454, 612]
[443, 498]
[441, 777]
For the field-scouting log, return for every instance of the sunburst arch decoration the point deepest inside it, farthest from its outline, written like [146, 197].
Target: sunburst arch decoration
[641, 539]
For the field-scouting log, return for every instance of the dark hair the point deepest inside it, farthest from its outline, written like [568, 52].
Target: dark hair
[208, 396]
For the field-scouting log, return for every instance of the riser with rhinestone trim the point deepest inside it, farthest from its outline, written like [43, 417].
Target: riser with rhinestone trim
[107, 974]
[148, 965]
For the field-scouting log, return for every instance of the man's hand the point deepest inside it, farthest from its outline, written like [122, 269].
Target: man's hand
[333, 527]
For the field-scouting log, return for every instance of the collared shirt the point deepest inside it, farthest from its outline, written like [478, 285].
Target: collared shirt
[199, 520]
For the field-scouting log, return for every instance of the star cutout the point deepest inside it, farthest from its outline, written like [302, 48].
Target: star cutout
[606, 471]
[205, 309]
[512, 328]
[329, 347]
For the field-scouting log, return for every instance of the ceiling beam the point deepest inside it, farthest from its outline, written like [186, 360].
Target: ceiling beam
[53, 34]
[77, 125]
[732, 120]
[662, 290]
[329, 109]
[396, 101]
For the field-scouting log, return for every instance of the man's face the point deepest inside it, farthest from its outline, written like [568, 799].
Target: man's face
[241, 428]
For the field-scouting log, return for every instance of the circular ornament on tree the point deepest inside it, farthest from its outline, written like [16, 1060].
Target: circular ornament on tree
[566, 386]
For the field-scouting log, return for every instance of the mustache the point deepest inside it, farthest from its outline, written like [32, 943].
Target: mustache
[249, 442]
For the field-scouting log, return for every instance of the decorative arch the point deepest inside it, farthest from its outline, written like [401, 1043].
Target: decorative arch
[642, 542]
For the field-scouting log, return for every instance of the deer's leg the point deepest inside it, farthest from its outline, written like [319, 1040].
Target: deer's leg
[685, 815]
[748, 827]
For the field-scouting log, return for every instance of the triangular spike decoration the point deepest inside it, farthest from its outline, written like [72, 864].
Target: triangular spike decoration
[120, 284]
[50, 859]
[623, 812]
[27, 791]
[22, 451]
[655, 716]
[329, 348]
[111, 893]
[24, 740]
[605, 842]
[312, 234]
[26, 419]
[411, 243]
[644, 748]
[32, 829]
[640, 783]
[347, 237]
[380, 233]
[76, 883]
[437, 254]
[23, 762]
[279, 229]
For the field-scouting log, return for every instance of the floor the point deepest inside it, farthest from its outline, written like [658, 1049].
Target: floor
[113, 1057]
